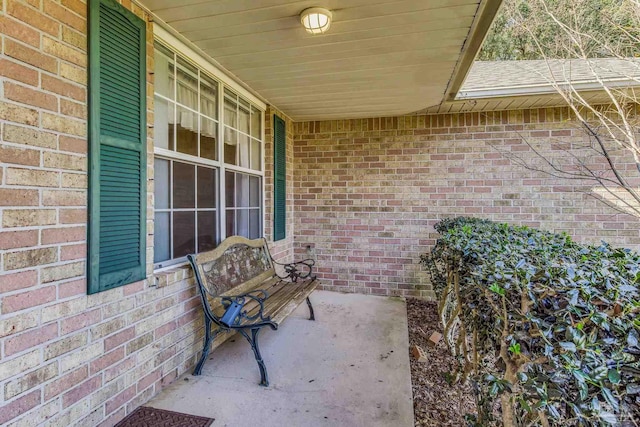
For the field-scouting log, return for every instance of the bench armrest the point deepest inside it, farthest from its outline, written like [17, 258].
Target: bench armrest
[297, 270]
[258, 295]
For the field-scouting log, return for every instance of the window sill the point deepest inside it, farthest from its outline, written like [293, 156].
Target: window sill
[167, 276]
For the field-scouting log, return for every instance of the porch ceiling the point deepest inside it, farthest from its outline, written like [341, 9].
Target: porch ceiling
[379, 58]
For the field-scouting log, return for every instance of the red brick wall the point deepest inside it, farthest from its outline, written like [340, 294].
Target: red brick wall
[368, 192]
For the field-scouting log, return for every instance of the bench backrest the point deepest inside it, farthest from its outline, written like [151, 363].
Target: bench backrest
[236, 261]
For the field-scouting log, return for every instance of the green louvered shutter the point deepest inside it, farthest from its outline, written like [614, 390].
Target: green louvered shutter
[117, 146]
[279, 179]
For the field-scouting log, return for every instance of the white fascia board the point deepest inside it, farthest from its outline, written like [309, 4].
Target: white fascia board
[215, 69]
[541, 89]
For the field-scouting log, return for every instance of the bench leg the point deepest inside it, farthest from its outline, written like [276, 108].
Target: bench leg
[253, 341]
[311, 315]
[208, 339]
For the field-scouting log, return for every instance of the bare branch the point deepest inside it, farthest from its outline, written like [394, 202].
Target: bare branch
[612, 123]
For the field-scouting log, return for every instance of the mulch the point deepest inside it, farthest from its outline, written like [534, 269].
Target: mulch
[435, 401]
[145, 416]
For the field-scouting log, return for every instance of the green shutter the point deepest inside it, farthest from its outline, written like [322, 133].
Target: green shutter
[117, 147]
[279, 179]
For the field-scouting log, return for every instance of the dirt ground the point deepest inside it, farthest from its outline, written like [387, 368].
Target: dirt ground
[435, 401]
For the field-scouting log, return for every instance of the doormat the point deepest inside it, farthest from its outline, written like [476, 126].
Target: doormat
[151, 417]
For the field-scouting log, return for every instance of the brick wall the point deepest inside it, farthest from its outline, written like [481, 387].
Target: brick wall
[67, 358]
[368, 192]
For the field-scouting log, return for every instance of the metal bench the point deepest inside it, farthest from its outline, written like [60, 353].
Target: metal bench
[241, 291]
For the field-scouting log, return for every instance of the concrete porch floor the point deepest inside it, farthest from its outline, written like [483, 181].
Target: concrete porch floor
[348, 368]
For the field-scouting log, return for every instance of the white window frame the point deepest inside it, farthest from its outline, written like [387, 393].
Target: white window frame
[224, 82]
[160, 33]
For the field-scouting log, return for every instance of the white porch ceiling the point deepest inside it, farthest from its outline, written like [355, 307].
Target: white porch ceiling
[379, 58]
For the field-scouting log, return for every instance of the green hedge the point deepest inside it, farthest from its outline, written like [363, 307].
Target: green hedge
[551, 327]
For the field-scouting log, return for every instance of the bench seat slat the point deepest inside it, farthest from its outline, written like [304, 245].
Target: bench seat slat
[289, 292]
[291, 305]
[253, 307]
[286, 294]
[268, 285]
[279, 294]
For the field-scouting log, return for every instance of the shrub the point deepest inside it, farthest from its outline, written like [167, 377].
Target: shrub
[546, 329]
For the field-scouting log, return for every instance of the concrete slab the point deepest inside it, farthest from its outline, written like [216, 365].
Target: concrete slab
[348, 368]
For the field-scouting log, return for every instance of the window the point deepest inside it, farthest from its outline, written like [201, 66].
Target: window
[117, 140]
[204, 190]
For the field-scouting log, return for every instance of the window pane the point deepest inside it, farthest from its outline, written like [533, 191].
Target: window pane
[187, 90]
[164, 72]
[242, 155]
[184, 232]
[171, 128]
[230, 190]
[231, 222]
[242, 190]
[161, 183]
[230, 146]
[184, 178]
[161, 235]
[208, 135]
[208, 97]
[161, 122]
[187, 132]
[255, 154]
[206, 188]
[254, 224]
[206, 231]
[254, 192]
[230, 111]
[242, 222]
[256, 123]
[244, 116]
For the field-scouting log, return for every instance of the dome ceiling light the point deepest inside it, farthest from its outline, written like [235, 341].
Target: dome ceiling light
[316, 20]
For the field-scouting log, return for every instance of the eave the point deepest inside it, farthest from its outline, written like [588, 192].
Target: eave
[380, 58]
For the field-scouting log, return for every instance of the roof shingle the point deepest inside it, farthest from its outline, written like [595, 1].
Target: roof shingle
[505, 74]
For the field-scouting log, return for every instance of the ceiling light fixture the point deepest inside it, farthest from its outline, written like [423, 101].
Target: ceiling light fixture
[316, 20]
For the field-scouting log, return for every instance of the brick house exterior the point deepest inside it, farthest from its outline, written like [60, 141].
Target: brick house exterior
[368, 191]
[362, 196]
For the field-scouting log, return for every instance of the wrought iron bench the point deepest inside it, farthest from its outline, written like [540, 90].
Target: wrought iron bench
[241, 291]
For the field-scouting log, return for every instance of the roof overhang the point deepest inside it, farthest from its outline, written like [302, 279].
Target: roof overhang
[542, 89]
[486, 13]
[550, 99]
[380, 57]
[508, 85]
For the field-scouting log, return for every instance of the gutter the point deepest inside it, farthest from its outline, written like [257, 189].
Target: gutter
[541, 89]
